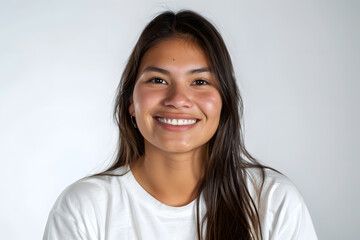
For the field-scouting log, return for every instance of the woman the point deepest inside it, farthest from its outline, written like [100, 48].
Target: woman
[182, 171]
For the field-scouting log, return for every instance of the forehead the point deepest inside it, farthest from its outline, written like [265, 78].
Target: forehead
[175, 53]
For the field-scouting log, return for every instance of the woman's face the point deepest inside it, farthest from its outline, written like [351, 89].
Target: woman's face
[176, 101]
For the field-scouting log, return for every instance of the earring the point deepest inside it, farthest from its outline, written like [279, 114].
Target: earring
[133, 121]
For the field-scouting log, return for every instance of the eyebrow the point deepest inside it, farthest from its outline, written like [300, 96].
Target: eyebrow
[166, 72]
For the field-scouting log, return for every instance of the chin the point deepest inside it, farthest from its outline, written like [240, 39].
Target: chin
[178, 149]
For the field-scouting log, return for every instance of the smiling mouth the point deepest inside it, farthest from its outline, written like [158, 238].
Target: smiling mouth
[177, 122]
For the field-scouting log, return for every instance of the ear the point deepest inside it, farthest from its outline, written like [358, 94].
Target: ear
[131, 108]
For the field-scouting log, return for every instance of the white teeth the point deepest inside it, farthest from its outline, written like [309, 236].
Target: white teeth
[177, 122]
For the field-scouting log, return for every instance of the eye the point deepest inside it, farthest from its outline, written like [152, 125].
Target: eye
[200, 82]
[157, 80]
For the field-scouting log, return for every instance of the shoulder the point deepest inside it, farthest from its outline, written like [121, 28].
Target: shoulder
[89, 191]
[83, 208]
[281, 206]
[273, 186]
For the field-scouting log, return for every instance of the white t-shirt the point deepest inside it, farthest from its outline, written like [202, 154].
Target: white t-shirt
[117, 207]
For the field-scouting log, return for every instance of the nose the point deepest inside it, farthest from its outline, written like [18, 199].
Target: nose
[178, 96]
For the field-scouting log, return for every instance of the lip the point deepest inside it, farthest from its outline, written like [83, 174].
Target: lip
[176, 128]
[176, 116]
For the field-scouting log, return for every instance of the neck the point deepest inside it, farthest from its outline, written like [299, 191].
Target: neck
[171, 178]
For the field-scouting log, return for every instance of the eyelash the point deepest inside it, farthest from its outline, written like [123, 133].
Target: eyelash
[203, 82]
[156, 80]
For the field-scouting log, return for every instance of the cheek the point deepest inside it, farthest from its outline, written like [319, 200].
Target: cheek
[144, 99]
[212, 104]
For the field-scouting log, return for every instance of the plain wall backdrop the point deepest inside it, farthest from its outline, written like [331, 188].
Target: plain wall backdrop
[297, 65]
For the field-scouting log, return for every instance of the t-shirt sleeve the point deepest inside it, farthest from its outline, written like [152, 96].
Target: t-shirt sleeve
[62, 226]
[284, 212]
[75, 214]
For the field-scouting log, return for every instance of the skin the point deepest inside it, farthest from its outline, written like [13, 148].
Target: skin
[174, 82]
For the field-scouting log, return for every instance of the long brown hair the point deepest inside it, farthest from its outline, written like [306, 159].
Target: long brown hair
[230, 210]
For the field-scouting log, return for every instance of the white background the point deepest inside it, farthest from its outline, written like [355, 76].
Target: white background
[297, 63]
